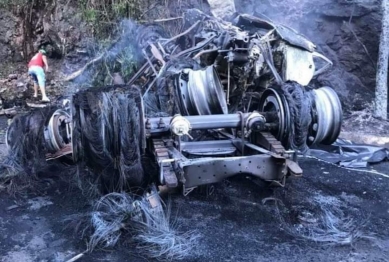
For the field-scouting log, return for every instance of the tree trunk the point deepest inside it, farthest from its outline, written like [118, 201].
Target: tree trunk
[381, 92]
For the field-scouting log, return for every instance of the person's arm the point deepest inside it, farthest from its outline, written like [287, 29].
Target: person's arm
[46, 64]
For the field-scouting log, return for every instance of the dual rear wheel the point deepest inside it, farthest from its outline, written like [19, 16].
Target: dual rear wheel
[325, 115]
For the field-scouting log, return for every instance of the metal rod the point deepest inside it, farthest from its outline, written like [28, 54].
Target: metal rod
[228, 83]
[138, 74]
[183, 33]
[149, 61]
[204, 52]
[206, 121]
[168, 19]
[148, 89]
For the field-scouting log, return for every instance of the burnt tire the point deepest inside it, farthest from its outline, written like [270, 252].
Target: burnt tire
[107, 136]
[25, 140]
[293, 105]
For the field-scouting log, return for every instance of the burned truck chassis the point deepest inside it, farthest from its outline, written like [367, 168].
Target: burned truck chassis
[215, 160]
[209, 134]
[221, 158]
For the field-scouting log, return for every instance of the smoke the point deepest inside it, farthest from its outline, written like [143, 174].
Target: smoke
[120, 56]
[297, 14]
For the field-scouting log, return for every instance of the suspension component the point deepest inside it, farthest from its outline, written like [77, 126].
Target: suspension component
[180, 126]
[255, 122]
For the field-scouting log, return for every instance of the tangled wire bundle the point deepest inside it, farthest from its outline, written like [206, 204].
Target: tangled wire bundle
[106, 136]
[153, 233]
[322, 219]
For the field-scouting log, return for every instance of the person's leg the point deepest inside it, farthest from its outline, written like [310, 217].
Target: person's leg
[42, 81]
[35, 80]
[35, 88]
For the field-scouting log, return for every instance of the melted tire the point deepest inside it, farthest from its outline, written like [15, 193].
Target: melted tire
[107, 135]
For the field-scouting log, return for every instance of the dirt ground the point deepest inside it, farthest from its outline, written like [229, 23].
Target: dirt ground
[362, 127]
[231, 218]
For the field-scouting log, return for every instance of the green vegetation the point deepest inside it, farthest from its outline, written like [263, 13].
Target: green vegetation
[123, 62]
[103, 15]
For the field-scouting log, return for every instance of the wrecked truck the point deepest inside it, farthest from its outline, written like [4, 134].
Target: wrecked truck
[219, 99]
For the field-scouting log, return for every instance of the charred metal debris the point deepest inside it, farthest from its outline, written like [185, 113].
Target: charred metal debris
[219, 99]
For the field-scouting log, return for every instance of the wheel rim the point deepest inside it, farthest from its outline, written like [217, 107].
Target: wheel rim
[272, 101]
[328, 117]
[205, 93]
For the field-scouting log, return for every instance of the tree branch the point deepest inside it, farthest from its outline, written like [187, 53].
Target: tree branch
[79, 72]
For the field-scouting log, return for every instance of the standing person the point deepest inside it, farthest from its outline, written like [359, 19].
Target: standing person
[35, 70]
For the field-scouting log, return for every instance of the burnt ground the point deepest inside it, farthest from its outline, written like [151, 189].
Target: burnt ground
[233, 222]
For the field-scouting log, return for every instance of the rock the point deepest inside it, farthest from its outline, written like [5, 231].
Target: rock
[7, 30]
[14, 93]
[12, 76]
[222, 8]
[8, 36]
[20, 84]
[12, 207]
[346, 10]
[117, 79]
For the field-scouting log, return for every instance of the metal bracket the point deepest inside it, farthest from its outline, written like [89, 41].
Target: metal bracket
[186, 191]
[268, 141]
[167, 174]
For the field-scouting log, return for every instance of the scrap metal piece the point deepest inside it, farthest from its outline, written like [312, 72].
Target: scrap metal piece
[285, 33]
[294, 168]
[154, 124]
[268, 141]
[209, 148]
[157, 54]
[298, 65]
[325, 67]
